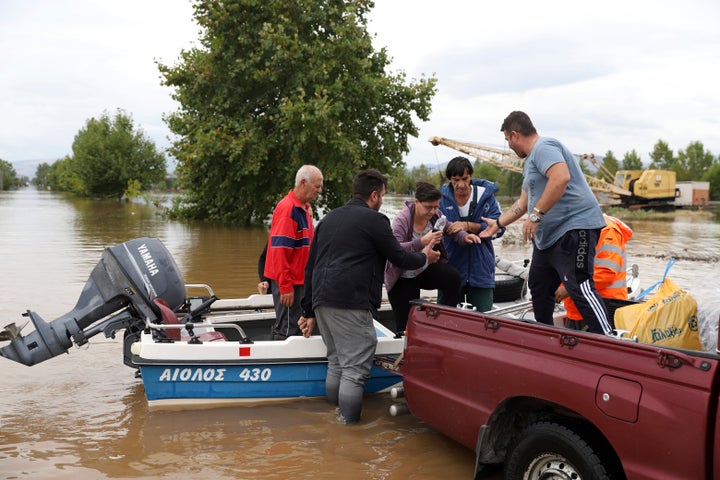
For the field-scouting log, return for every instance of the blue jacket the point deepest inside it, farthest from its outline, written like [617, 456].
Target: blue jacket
[474, 261]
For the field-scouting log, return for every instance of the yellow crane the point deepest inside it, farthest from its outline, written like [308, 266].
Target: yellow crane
[509, 161]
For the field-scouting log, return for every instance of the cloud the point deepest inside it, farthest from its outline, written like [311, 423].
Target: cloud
[67, 62]
[613, 75]
[472, 72]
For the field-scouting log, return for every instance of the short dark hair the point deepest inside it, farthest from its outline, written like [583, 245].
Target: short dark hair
[457, 167]
[518, 122]
[368, 181]
[426, 192]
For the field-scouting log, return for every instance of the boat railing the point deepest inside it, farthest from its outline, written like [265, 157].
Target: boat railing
[190, 327]
[204, 286]
[517, 310]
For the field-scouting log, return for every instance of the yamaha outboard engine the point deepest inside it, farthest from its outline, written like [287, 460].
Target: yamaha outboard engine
[119, 294]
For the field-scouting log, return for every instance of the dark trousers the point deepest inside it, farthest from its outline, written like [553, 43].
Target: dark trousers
[569, 261]
[286, 318]
[441, 276]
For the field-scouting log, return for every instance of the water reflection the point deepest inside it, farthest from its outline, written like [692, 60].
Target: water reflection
[60, 238]
[224, 257]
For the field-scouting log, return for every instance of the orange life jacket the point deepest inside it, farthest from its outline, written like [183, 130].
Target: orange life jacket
[610, 273]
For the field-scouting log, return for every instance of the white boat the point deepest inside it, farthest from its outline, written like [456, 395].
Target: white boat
[226, 355]
[187, 353]
[200, 351]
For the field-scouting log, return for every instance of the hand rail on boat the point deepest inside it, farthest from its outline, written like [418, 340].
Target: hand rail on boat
[200, 285]
[191, 325]
[522, 307]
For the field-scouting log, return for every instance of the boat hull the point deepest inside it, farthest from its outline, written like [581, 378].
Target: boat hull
[186, 373]
[250, 383]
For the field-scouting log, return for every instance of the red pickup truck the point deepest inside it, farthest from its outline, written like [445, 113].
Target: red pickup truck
[543, 402]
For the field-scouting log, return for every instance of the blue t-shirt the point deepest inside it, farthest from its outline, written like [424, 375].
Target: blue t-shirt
[577, 208]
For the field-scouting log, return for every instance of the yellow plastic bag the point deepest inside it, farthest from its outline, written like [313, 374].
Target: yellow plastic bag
[668, 318]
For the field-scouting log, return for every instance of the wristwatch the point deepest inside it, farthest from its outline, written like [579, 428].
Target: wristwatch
[534, 217]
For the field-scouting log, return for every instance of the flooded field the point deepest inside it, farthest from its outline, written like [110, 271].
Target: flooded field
[84, 416]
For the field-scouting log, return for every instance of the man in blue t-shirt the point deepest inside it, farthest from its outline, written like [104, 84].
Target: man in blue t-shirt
[564, 222]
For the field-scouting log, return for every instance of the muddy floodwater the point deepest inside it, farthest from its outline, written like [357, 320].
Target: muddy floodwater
[84, 416]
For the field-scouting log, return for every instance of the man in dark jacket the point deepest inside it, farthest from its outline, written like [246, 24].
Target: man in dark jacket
[343, 287]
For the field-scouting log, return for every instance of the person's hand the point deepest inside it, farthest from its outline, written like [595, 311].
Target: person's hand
[287, 299]
[529, 230]
[432, 238]
[491, 228]
[263, 287]
[306, 325]
[561, 294]
[455, 227]
[432, 255]
[472, 238]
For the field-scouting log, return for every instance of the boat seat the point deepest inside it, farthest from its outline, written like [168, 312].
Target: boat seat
[170, 318]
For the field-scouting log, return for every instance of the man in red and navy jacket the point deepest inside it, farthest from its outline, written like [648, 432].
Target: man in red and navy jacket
[291, 234]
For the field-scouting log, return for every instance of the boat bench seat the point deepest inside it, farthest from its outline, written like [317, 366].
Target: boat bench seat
[181, 334]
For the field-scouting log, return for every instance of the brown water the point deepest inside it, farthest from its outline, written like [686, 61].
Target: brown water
[84, 416]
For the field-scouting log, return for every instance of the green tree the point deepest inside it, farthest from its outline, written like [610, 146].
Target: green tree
[402, 181]
[63, 176]
[610, 164]
[583, 162]
[275, 85]
[8, 176]
[631, 161]
[712, 175]
[695, 160]
[662, 157]
[109, 154]
[511, 185]
[42, 175]
[488, 172]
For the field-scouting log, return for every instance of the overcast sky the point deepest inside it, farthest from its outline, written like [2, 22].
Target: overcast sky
[612, 75]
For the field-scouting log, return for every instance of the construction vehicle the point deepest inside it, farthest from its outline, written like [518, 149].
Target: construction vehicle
[648, 188]
[632, 189]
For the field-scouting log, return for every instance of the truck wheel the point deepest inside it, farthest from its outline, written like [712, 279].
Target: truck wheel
[507, 288]
[549, 450]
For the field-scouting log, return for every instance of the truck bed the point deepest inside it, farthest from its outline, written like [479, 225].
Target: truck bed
[474, 376]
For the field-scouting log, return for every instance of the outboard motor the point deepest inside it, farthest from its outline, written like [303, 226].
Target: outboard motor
[119, 294]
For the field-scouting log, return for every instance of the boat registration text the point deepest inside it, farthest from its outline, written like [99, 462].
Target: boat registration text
[213, 374]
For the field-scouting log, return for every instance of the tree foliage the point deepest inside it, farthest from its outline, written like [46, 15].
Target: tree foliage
[42, 174]
[403, 180]
[713, 176]
[662, 157]
[275, 85]
[631, 161]
[610, 164]
[63, 176]
[8, 176]
[109, 154]
[694, 161]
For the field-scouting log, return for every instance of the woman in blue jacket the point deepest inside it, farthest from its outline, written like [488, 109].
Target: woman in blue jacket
[464, 202]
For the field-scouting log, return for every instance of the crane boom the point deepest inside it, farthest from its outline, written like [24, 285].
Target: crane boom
[509, 161]
[494, 156]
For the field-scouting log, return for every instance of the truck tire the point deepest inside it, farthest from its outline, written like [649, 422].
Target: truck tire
[550, 450]
[507, 288]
